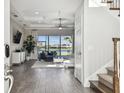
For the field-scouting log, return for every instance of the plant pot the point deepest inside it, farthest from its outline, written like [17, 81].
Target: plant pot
[28, 58]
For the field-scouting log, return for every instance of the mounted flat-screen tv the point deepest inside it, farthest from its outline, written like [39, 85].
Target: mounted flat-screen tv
[17, 37]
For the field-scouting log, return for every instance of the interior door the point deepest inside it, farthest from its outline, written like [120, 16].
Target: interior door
[78, 55]
[7, 45]
[78, 47]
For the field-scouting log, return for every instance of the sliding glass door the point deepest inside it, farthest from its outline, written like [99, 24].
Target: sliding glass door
[54, 44]
[66, 45]
[62, 45]
[42, 43]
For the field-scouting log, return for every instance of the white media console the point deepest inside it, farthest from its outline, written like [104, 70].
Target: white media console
[18, 57]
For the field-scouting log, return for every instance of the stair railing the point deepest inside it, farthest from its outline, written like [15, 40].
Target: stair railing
[116, 77]
[114, 4]
[106, 1]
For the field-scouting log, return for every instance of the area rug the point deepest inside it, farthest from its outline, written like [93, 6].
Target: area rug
[43, 64]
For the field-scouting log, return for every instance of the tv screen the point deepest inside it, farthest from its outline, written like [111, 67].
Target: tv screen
[17, 37]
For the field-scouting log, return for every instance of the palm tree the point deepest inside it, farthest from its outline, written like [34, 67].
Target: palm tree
[69, 39]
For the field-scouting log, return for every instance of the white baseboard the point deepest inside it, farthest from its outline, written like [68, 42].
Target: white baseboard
[94, 75]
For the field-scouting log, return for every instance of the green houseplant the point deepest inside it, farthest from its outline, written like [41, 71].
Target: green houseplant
[29, 44]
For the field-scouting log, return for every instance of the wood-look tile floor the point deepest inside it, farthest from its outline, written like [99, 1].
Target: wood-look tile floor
[29, 80]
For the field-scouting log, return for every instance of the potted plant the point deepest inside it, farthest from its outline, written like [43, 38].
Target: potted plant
[29, 44]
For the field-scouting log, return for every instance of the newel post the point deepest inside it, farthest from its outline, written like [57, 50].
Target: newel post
[116, 63]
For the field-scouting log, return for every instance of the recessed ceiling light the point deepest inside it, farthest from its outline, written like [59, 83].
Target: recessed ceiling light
[37, 12]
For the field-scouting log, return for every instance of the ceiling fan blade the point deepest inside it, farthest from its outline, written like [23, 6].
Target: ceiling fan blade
[57, 19]
[63, 26]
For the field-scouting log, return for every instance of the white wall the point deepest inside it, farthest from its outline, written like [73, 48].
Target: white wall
[14, 27]
[99, 29]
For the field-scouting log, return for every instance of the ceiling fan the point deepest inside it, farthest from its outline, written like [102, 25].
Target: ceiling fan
[61, 26]
[60, 19]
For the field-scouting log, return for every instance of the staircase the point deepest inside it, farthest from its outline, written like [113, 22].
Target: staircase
[114, 5]
[109, 82]
[105, 82]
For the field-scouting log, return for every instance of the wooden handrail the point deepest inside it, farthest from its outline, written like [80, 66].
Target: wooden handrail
[106, 1]
[116, 77]
[114, 4]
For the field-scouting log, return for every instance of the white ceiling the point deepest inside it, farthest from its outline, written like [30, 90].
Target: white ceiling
[44, 13]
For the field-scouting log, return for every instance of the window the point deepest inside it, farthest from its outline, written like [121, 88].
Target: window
[66, 45]
[54, 44]
[96, 3]
[62, 45]
[42, 43]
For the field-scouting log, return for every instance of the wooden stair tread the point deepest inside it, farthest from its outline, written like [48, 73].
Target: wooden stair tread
[110, 1]
[106, 77]
[110, 69]
[114, 8]
[100, 87]
[107, 1]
